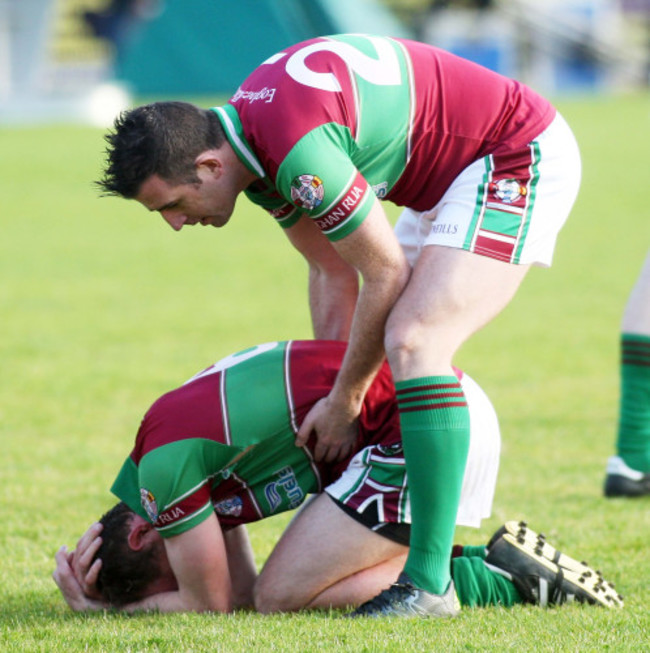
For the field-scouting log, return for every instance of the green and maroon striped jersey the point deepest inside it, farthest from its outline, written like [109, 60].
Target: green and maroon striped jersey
[224, 441]
[329, 124]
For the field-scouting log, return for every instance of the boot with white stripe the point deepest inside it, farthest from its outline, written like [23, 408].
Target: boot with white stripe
[542, 574]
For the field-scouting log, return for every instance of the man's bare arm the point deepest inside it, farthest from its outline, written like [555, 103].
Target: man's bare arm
[333, 283]
[199, 563]
[374, 250]
[241, 564]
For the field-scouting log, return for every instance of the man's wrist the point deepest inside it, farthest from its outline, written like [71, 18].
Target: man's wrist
[348, 401]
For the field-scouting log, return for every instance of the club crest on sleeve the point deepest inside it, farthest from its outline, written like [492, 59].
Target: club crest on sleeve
[307, 191]
[148, 502]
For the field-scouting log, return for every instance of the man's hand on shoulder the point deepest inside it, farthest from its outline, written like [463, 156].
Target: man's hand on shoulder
[335, 426]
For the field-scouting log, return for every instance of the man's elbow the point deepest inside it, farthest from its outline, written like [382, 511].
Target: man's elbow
[216, 605]
[208, 603]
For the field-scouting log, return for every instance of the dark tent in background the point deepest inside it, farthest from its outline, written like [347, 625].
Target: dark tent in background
[207, 47]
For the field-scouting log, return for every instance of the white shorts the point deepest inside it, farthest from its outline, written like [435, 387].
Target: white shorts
[508, 207]
[374, 486]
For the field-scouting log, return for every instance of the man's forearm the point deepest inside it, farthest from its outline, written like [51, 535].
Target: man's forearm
[365, 351]
[376, 254]
[332, 301]
[241, 564]
[173, 602]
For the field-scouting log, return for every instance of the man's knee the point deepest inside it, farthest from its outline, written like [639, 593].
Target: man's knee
[409, 344]
[269, 598]
[400, 343]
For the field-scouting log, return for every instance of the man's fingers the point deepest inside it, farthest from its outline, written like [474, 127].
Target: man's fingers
[93, 573]
[309, 425]
[332, 454]
[69, 585]
[89, 536]
[320, 452]
[84, 558]
[64, 577]
[86, 570]
[337, 452]
[62, 566]
[62, 556]
[304, 432]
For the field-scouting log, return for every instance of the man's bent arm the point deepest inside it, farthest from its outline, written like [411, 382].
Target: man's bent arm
[241, 563]
[199, 562]
[374, 250]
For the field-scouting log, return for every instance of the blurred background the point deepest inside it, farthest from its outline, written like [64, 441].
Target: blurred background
[84, 60]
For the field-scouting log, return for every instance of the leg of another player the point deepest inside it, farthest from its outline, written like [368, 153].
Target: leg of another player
[633, 435]
[451, 295]
[326, 559]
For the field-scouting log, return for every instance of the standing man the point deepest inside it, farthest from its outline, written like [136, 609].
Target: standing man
[317, 135]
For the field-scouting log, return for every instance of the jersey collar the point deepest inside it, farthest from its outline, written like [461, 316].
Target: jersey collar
[231, 124]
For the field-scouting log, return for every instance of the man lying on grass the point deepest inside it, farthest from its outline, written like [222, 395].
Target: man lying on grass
[219, 452]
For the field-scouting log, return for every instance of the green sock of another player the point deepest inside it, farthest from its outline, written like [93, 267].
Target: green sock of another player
[474, 551]
[478, 586]
[633, 442]
[434, 419]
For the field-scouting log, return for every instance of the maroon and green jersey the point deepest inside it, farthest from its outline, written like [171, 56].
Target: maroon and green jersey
[330, 123]
[225, 440]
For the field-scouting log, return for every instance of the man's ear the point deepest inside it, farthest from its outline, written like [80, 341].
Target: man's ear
[139, 530]
[210, 161]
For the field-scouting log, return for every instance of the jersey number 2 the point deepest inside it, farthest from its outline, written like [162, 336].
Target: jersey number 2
[382, 71]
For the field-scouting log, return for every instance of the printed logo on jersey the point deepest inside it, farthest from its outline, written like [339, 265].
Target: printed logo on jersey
[264, 94]
[230, 506]
[380, 190]
[445, 228]
[148, 502]
[169, 516]
[307, 191]
[343, 209]
[287, 485]
[507, 190]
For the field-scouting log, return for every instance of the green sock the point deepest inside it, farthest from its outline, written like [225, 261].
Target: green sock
[434, 419]
[478, 586]
[633, 444]
[474, 551]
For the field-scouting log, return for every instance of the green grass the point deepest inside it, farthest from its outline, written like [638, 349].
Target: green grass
[103, 308]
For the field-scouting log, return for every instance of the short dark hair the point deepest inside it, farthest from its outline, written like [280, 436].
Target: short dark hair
[163, 138]
[125, 574]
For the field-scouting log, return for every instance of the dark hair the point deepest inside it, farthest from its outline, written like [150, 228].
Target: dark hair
[125, 574]
[163, 138]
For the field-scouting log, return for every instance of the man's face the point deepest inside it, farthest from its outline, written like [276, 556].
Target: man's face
[208, 201]
[165, 581]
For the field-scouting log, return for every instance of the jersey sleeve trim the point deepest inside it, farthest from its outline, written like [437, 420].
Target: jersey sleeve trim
[286, 216]
[347, 212]
[231, 124]
[184, 523]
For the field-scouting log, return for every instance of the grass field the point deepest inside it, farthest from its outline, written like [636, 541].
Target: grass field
[103, 308]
